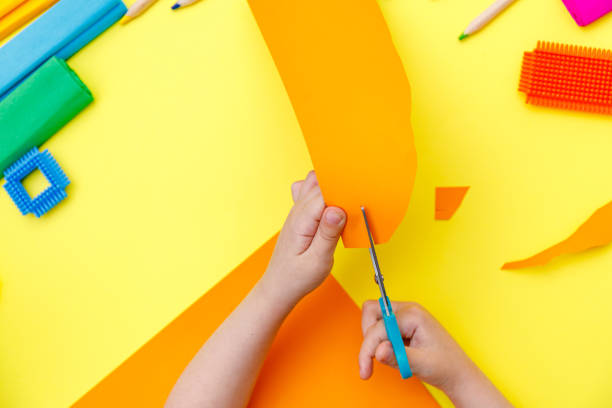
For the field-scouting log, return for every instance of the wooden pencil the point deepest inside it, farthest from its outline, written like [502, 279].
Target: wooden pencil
[6, 6]
[183, 3]
[486, 16]
[136, 9]
[22, 14]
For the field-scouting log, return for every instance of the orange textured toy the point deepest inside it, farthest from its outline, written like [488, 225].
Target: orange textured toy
[351, 97]
[568, 77]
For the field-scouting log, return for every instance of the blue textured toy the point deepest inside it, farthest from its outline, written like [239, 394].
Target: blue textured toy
[23, 167]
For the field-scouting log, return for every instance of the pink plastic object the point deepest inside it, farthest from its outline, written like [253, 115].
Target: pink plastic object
[587, 11]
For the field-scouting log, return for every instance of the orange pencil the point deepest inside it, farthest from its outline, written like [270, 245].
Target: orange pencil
[6, 6]
[22, 14]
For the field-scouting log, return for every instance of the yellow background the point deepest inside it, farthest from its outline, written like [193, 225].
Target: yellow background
[181, 168]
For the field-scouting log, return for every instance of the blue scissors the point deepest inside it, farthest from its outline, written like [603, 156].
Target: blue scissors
[393, 331]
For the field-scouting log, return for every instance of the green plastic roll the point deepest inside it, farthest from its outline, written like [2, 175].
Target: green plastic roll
[38, 108]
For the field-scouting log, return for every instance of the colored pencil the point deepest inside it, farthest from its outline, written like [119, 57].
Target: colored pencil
[136, 9]
[486, 16]
[183, 3]
[22, 14]
[6, 6]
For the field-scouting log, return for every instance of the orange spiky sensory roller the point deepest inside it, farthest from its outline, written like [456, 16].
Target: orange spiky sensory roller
[568, 77]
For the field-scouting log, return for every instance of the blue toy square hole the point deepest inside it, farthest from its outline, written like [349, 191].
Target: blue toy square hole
[35, 183]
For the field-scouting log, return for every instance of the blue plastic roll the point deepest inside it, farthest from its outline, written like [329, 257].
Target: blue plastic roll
[61, 31]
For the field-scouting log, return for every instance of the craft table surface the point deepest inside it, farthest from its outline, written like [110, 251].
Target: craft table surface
[181, 168]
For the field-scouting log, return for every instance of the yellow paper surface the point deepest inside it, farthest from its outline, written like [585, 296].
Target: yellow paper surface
[181, 168]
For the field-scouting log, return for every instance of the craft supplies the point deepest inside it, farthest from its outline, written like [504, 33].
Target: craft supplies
[50, 197]
[183, 3]
[486, 16]
[585, 12]
[393, 331]
[568, 77]
[448, 200]
[595, 232]
[38, 108]
[21, 15]
[351, 96]
[136, 9]
[61, 31]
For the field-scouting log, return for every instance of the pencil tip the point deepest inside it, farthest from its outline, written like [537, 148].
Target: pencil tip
[463, 35]
[176, 5]
[126, 19]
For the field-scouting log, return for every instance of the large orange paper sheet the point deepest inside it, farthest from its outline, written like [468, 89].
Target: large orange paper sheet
[595, 232]
[351, 97]
[312, 363]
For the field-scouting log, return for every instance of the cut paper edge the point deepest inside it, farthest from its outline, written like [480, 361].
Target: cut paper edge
[448, 200]
[312, 360]
[595, 232]
[351, 96]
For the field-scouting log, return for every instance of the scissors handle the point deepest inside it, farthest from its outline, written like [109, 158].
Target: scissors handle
[395, 337]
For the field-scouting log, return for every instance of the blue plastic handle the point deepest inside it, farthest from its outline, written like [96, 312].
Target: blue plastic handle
[395, 337]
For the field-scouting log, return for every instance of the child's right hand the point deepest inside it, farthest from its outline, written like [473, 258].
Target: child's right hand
[434, 356]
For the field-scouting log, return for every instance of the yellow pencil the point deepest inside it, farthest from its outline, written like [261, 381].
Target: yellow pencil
[136, 9]
[6, 6]
[22, 14]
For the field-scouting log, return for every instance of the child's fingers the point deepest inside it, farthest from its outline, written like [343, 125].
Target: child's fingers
[303, 221]
[307, 185]
[374, 336]
[385, 354]
[295, 190]
[371, 313]
[326, 238]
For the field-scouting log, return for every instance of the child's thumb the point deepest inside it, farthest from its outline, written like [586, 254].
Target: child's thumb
[329, 231]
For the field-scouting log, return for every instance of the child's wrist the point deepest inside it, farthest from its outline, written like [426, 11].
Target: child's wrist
[463, 384]
[275, 292]
[471, 388]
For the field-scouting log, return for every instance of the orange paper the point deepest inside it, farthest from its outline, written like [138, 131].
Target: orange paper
[448, 200]
[312, 363]
[351, 97]
[595, 232]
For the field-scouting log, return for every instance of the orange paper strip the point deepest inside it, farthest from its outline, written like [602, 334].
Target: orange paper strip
[448, 200]
[595, 232]
[312, 363]
[351, 97]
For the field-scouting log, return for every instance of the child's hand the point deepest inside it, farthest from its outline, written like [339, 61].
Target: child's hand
[304, 252]
[433, 354]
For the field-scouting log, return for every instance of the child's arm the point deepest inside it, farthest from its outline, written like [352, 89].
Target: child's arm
[223, 372]
[433, 354]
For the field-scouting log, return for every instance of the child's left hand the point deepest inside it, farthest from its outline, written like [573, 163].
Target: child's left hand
[304, 252]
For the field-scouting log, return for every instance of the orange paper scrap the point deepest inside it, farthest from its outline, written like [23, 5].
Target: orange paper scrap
[595, 232]
[312, 363]
[448, 200]
[351, 97]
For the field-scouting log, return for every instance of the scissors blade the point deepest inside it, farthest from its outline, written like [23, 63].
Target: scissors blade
[377, 274]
